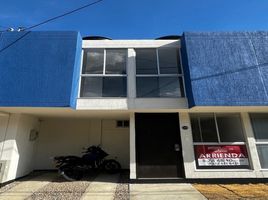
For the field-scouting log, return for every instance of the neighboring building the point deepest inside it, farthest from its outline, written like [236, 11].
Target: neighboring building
[191, 107]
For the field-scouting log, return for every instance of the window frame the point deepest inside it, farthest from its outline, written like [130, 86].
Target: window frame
[103, 75]
[263, 142]
[219, 143]
[124, 123]
[179, 75]
[217, 130]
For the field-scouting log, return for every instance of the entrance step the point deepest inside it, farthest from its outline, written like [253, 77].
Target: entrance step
[167, 191]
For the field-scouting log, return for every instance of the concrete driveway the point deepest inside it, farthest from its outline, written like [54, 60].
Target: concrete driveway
[50, 185]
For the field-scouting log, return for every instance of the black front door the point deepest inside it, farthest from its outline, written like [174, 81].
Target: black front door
[158, 145]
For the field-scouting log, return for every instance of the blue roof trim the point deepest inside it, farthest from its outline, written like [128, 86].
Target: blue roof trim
[37, 68]
[226, 68]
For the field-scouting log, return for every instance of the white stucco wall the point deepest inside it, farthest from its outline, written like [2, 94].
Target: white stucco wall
[16, 148]
[68, 137]
[26, 148]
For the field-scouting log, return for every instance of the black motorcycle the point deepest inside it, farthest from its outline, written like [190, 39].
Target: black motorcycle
[74, 167]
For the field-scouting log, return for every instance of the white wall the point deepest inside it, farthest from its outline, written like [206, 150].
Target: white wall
[59, 137]
[16, 149]
[69, 136]
[4, 118]
[116, 142]
[26, 148]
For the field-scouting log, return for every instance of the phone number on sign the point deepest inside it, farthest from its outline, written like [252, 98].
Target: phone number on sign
[222, 161]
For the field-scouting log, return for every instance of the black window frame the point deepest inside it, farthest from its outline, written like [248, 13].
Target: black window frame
[158, 75]
[104, 75]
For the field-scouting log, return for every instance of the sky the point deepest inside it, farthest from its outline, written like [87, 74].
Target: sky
[137, 19]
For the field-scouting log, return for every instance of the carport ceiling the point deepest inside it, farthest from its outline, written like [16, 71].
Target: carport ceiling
[66, 112]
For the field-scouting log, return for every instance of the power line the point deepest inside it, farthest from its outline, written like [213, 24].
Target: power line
[62, 15]
[44, 22]
[12, 43]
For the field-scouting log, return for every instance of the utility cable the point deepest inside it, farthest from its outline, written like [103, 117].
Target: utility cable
[46, 21]
[62, 15]
[12, 43]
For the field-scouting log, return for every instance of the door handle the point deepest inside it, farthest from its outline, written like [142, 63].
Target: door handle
[177, 147]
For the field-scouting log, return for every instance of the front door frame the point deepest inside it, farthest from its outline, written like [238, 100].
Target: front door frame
[180, 161]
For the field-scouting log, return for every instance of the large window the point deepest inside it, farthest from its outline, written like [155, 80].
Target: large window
[216, 128]
[158, 73]
[104, 73]
[219, 141]
[260, 127]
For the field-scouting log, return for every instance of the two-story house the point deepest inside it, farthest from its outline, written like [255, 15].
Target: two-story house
[189, 107]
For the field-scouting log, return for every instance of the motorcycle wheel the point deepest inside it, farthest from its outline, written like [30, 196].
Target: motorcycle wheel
[71, 173]
[112, 166]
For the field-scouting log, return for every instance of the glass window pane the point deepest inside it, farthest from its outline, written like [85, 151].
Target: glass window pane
[146, 61]
[114, 87]
[126, 123]
[263, 152]
[119, 123]
[170, 87]
[93, 61]
[230, 128]
[195, 129]
[208, 128]
[260, 126]
[147, 87]
[169, 61]
[116, 61]
[91, 87]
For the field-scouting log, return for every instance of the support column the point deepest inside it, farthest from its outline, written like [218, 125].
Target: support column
[187, 145]
[131, 88]
[250, 140]
[132, 145]
[131, 73]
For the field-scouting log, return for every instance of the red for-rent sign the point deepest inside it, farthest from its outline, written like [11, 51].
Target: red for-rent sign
[221, 155]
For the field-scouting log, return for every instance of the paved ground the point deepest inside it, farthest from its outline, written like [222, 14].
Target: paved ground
[51, 186]
[170, 191]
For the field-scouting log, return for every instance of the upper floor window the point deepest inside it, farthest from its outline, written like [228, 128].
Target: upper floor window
[158, 73]
[104, 73]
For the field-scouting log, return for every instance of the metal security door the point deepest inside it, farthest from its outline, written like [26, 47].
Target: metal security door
[158, 145]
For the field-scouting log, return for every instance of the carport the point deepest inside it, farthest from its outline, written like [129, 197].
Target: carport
[31, 137]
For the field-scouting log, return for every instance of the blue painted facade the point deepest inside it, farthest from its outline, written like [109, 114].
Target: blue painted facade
[226, 68]
[39, 69]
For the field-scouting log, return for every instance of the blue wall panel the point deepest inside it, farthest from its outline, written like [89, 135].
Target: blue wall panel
[226, 68]
[37, 68]
[76, 73]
